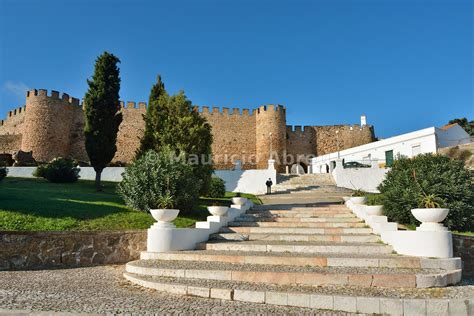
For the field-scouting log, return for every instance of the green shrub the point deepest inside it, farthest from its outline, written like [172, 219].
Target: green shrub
[3, 173]
[358, 193]
[445, 178]
[40, 171]
[216, 188]
[375, 199]
[59, 170]
[158, 177]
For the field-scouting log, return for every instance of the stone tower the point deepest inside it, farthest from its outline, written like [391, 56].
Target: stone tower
[48, 123]
[271, 136]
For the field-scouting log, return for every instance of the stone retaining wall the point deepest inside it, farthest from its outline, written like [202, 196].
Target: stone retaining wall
[463, 247]
[24, 250]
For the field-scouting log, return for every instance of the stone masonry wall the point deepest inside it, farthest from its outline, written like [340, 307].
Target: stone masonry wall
[233, 136]
[10, 143]
[300, 141]
[25, 250]
[348, 136]
[12, 125]
[51, 125]
[130, 132]
[463, 246]
[271, 136]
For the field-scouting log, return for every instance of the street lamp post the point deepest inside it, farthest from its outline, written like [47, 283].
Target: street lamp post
[337, 141]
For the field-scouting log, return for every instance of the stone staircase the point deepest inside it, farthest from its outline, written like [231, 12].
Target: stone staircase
[303, 182]
[319, 256]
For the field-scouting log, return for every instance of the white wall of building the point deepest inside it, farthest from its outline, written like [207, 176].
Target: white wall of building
[113, 174]
[365, 179]
[427, 140]
[247, 181]
[422, 141]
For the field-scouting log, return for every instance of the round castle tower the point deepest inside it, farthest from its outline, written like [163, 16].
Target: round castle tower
[48, 124]
[271, 136]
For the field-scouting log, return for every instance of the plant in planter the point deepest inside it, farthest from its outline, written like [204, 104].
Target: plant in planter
[163, 211]
[217, 209]
[430, 212]
[358, 197]
[238, 199]
[374, 205]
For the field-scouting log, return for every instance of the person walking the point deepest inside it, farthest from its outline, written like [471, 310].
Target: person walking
[269, 184]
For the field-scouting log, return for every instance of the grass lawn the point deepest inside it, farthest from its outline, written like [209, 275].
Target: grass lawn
[36, 204]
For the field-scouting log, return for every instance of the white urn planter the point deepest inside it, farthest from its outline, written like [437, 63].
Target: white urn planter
[430, 218]
[346, 198]
[359, 199]
[374, 210]
[239, 200]
[164, 217]
[218, 210]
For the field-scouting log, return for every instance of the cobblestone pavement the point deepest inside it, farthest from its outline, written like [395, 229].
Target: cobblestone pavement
[103, 291]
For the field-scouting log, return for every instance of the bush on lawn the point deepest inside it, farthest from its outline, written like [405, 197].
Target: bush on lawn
[59, 170]
[429, 174]
[216, 188]
[3, 173]
[154, 176]
[375, 199]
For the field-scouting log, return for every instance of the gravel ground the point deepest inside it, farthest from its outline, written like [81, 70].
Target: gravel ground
[215, 265]
[103, 290]
[462, 291]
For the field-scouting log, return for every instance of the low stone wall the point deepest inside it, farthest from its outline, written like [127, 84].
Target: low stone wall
[463, 246]
[24, 250]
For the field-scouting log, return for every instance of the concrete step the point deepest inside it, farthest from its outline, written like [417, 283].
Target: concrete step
[343, 299]
[297, 247]
[301, 259]
[266, 218]
[303, 213]
[297, 224]
[289, 275]
[296, 237]
[294, 230]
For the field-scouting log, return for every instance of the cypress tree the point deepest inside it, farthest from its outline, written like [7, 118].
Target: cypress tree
[153, 117]
[102, 113]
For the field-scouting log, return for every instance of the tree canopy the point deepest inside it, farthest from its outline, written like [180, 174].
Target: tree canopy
[102, 113]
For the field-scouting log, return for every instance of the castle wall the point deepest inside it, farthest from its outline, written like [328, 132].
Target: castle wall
[233, 137]
[13, 124]
[130, 131]
[348, 136]
[52, 126]
[300, 141]
[271, 119]
[10, 143]
[47, 124]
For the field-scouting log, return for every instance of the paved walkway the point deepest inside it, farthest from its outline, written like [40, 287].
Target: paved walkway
[103, 290]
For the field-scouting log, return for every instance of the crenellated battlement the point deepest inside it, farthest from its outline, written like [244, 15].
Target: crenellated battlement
[271, 107]
[133, 105]
[299, 129]
[224, 111]
[13, 114]
[55, 95]
[53, 127]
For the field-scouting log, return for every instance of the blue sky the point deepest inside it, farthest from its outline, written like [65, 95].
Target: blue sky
[405, 64]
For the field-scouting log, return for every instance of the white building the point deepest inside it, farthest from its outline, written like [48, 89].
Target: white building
[427, 140]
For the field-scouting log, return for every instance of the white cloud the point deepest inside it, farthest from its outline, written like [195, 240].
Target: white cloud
[16, 88]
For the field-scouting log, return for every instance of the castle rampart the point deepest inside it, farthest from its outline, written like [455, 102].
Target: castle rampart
[271, 135]
[52, 126]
